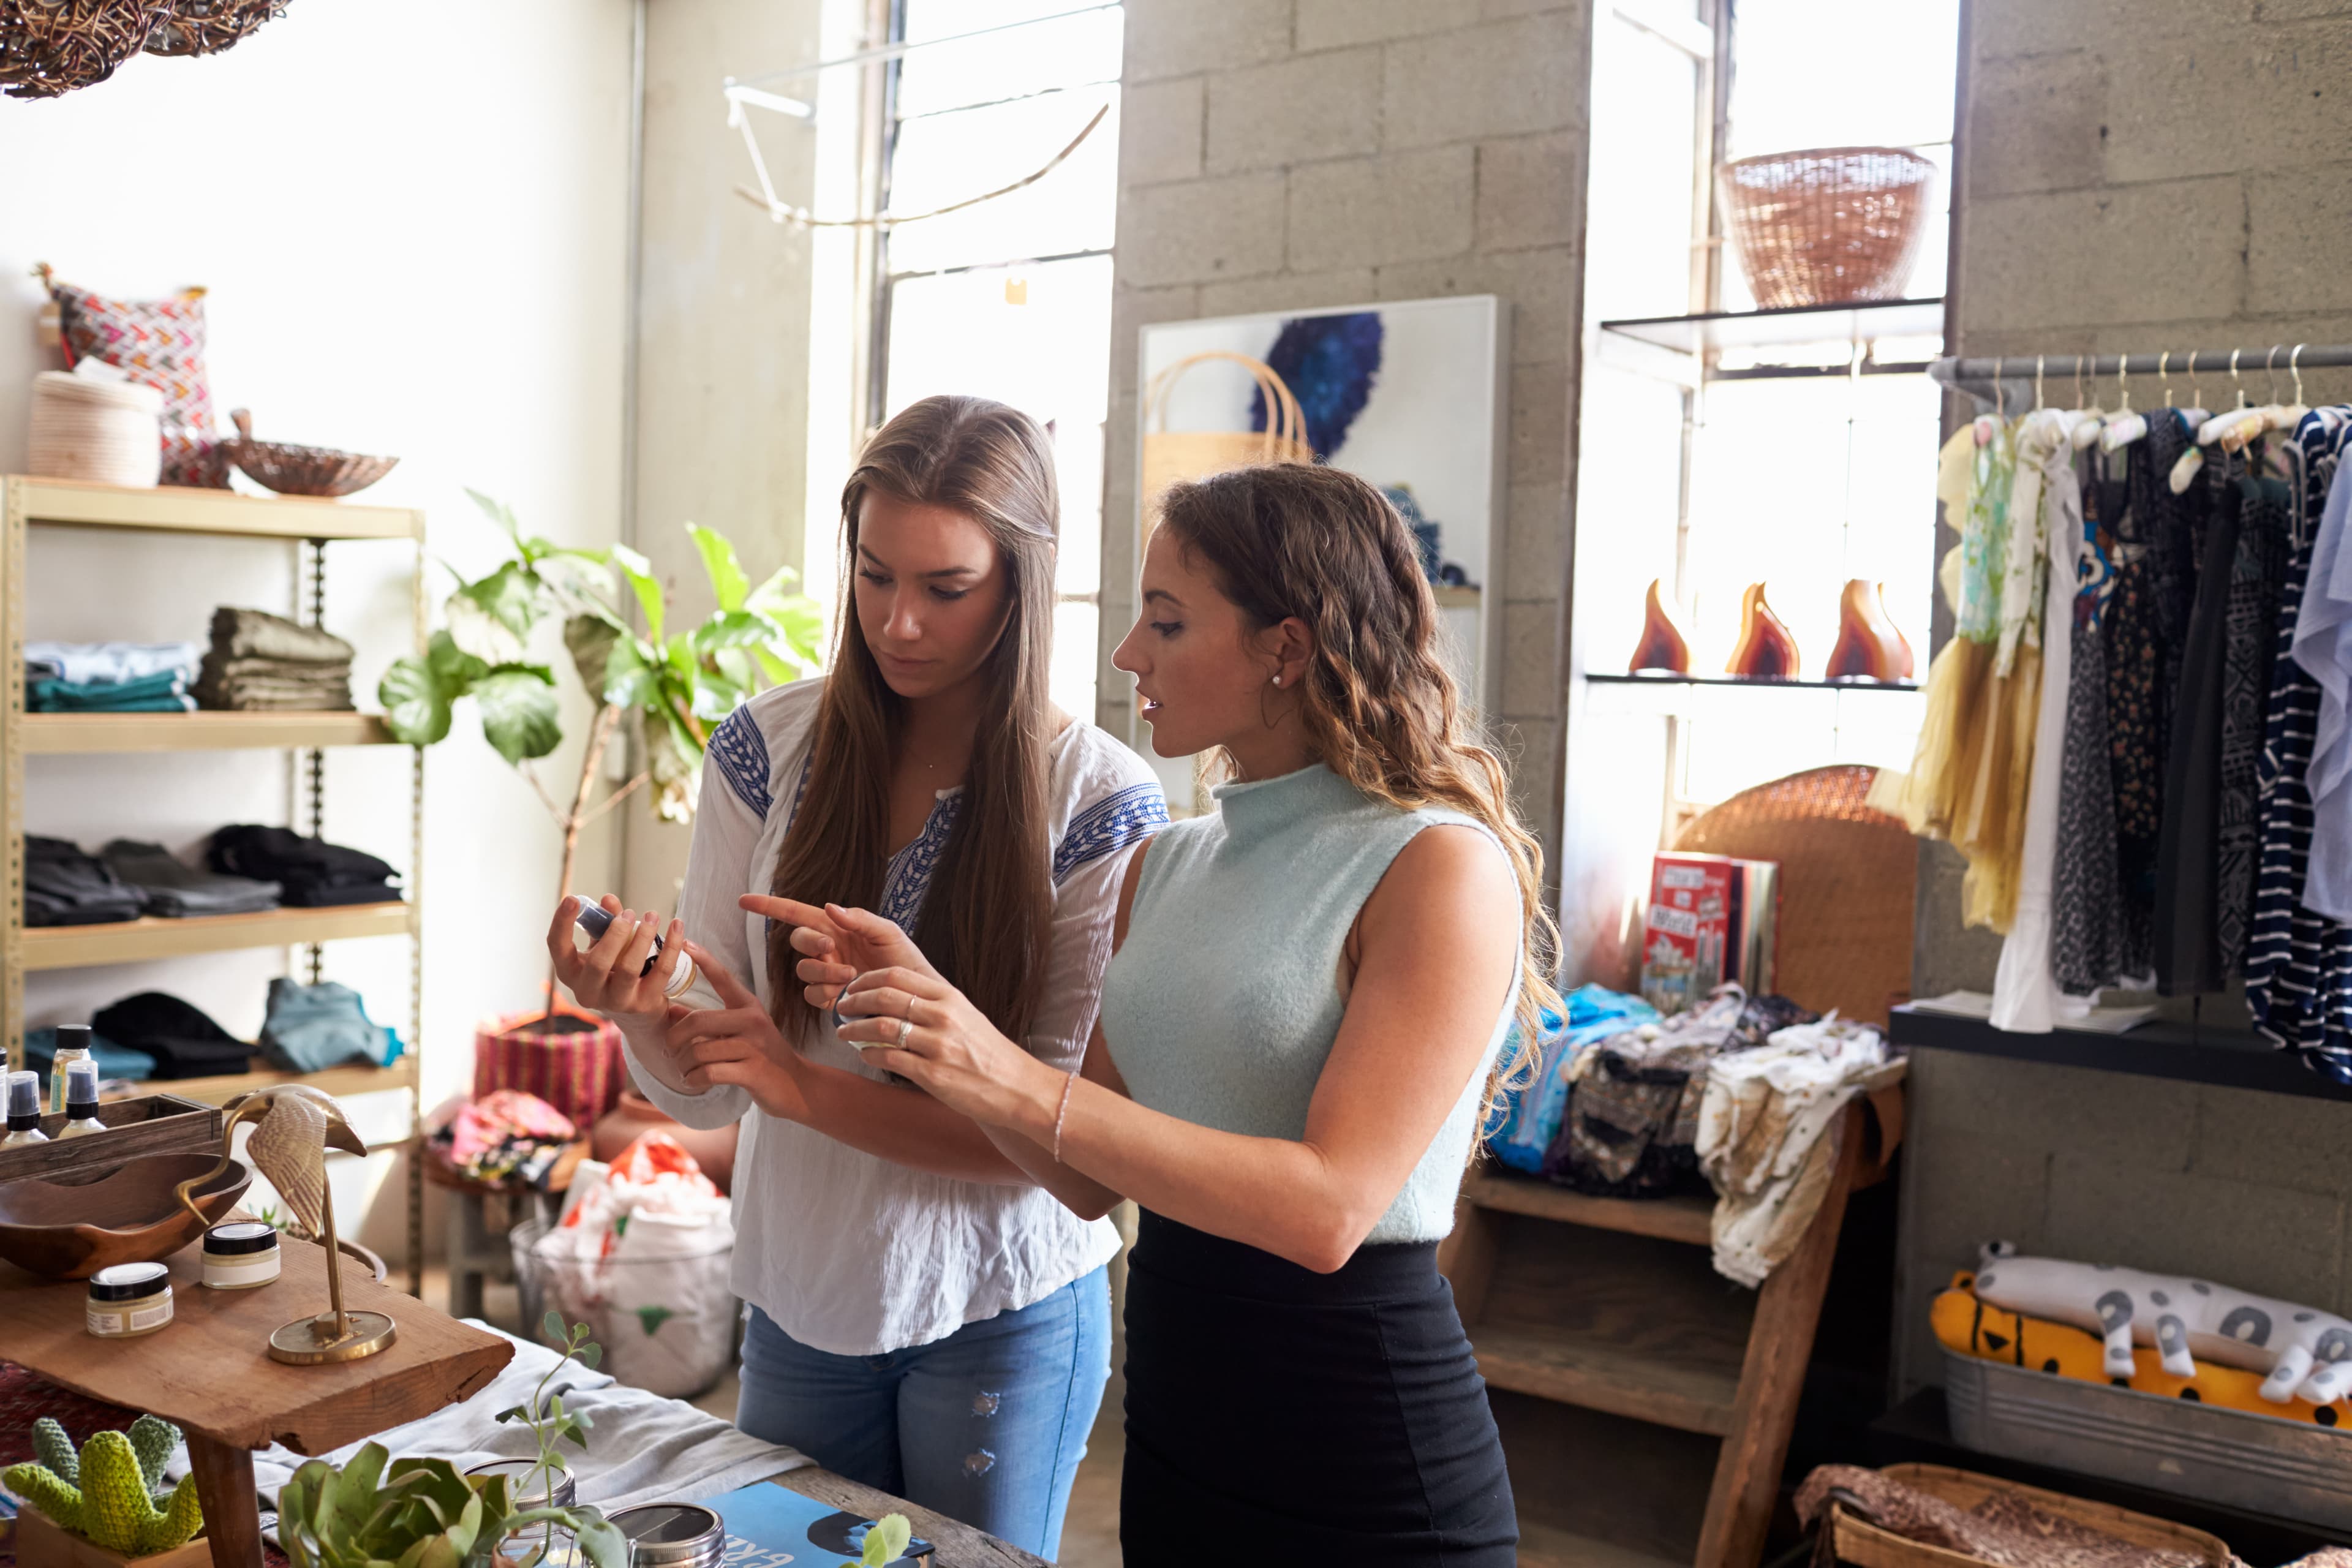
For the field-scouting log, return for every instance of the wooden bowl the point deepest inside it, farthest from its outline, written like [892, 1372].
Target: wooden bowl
[131, 1215]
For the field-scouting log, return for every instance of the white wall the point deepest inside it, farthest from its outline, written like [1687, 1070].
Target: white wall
[412, 220]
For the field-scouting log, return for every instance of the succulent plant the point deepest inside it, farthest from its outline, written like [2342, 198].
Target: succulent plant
[106, 1493]
[418, 1514]
[422, 1513]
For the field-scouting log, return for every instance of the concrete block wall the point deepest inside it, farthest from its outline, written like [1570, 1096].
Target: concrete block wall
[2139, 174]
[1281, 154]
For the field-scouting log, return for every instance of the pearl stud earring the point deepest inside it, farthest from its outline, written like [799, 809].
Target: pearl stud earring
[1277, 680]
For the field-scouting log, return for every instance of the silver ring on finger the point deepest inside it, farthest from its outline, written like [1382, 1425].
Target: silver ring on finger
[905, 1027]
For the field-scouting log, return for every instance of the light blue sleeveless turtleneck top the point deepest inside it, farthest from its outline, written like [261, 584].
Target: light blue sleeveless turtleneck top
[1223, 1004]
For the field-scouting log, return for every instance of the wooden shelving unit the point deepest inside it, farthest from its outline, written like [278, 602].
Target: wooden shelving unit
[141, 940]
[1611, 1305]
[305, 525]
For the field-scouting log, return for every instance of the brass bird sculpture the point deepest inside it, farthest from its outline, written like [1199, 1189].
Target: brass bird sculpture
[294, 1125]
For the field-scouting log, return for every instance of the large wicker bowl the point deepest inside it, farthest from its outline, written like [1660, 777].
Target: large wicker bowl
[1829, 226]
[292, 470]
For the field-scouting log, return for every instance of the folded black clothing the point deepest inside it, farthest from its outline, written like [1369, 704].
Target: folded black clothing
[304, 868]
[334, 895]
[183, 1038]
[176, 891]
[64, 887]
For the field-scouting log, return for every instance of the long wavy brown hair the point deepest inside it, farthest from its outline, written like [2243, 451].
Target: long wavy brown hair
[1378, 702]
[985, 920]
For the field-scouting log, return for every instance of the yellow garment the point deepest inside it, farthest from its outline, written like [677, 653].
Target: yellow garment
[1974, 763]
[1970, 1327]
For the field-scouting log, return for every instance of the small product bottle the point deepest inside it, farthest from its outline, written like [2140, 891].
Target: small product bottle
[595, 921]
[81, 1100]
[23, 1111]
[73, 1046]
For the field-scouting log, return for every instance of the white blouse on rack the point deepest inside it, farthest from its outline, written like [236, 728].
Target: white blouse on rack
[847, 1252]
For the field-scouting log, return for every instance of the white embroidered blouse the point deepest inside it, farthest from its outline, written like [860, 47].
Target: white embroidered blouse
[847, 1252]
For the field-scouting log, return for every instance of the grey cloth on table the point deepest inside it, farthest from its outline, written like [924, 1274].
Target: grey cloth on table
[673, 1452]
[261, 662]
[168, 888]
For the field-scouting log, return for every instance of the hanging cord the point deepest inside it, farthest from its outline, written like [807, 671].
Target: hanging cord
[800, 217]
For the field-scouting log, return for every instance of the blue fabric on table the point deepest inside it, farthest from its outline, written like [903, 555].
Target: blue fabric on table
[1534, 1110]
[113, 1060]
[310, 1028]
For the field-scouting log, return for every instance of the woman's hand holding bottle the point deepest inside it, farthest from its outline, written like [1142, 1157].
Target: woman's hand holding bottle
[611, 975]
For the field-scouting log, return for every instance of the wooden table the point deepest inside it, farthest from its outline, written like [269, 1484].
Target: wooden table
[210, 1373]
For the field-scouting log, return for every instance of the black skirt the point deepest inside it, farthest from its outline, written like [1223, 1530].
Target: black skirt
[1273, 1411]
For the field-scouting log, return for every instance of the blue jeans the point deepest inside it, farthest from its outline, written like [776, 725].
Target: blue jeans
[986, 1425]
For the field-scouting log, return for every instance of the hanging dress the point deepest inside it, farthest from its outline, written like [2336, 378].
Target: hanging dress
[2024, 993]
[2087, 933]
[2250, 647]
[2188, 954]
[2298, 963]
[1970, 779]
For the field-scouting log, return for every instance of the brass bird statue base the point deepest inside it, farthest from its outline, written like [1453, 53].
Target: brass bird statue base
[294, 1125]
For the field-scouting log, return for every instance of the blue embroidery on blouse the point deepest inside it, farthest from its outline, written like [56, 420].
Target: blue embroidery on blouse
[910, 876]
[1111, 823]
[741, 754]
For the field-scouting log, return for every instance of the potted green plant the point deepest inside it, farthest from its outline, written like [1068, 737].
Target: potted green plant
[670, 686]
[423, 1513]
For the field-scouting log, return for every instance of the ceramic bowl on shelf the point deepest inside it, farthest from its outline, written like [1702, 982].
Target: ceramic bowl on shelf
[292, 470]
[130, 1215]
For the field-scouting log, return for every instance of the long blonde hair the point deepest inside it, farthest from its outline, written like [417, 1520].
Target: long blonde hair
[1378, 703]
[986, 919]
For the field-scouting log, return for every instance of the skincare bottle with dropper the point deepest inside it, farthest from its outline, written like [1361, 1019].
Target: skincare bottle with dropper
[73, 1046]
[23, 1111]
[81, 1101]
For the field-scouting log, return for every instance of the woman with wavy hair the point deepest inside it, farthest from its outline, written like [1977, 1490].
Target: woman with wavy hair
[1300, 1030]
[924, 1318]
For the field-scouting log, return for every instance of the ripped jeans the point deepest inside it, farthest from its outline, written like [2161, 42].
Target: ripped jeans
[986, 1425]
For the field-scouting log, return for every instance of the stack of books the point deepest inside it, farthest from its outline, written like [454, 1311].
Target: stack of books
[1711, 920]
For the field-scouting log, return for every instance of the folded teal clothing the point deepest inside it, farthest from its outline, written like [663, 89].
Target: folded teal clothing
[165, 691]
[310, 1028]
[113, 1060]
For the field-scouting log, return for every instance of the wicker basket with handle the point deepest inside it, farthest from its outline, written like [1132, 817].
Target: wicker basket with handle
[1829, 226]
[1170, 456]
[1864, 1545]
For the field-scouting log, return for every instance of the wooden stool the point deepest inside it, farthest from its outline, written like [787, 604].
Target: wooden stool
[477, 1250]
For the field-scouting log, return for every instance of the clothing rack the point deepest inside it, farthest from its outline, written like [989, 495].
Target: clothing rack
[2018, 372]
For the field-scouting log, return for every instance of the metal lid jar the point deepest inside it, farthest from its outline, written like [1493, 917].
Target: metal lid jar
[129, 1299]
[240, 1254]
[672, 1535]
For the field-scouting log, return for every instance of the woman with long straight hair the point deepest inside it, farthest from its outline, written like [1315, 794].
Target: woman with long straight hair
[1299, 1033]
[924, 1318]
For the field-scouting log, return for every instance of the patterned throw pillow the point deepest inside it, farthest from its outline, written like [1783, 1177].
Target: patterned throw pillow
[160, 342]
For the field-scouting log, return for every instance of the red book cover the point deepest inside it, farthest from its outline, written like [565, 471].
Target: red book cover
[1691, 925]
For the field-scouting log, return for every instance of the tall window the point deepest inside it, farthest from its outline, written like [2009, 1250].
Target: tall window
[1010, 299]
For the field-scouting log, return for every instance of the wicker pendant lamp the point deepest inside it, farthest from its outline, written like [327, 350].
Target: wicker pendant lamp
[51, 46]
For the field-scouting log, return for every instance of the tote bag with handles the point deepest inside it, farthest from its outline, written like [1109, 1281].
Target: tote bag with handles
[1173, 454]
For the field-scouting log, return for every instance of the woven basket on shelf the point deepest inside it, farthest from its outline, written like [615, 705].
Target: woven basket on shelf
[104, 432]
[1829, 226]
[1864, 1545]
[1847, 876]
[292, 470]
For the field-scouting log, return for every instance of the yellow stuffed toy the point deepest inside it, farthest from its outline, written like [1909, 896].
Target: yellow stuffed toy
[1971, 1327]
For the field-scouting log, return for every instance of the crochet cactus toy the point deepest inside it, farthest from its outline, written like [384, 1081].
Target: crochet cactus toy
[106, 1493]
